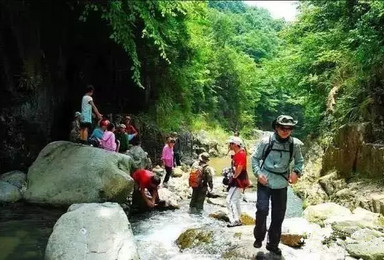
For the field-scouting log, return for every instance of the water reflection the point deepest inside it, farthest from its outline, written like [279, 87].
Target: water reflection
[25, 229]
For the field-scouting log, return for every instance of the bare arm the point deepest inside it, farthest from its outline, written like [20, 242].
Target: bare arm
[146, 199]
[155, 195]
[238, 170]
[99, 116]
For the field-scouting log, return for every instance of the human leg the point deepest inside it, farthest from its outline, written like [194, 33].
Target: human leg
[279, 205]
[168, 173]
[262, 208]
[201, 194]
[233, 199]
[192, 204]
[177, 159]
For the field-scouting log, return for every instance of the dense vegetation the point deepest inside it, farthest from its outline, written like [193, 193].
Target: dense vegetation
[232, 65]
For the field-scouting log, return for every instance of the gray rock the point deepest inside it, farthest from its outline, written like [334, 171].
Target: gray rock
[65, 173]
[158, 171]
[9, 192]
[319, 213]
[93, 232]
[139, 157]
[368, 250]
[16, 178]
[171, 200]
[194, 237]
[360, 218]
[220, 215]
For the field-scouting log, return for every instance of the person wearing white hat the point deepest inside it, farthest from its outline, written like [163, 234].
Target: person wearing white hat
[238, 182]
[271, 166]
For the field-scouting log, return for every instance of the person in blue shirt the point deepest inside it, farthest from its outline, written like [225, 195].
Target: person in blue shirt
[271, 163]
[98, 133]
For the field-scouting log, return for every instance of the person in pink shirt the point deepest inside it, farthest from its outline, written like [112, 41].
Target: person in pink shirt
[108, 142]
[167, 158]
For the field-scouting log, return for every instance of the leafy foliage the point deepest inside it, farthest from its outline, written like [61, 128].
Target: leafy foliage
[235, 66]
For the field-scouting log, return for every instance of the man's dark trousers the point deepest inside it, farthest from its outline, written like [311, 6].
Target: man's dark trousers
[279, 204]
[198, 197]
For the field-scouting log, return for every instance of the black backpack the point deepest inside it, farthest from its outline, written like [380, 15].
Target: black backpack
[269, 149]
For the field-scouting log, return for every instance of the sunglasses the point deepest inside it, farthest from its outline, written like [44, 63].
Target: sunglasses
[286, 128]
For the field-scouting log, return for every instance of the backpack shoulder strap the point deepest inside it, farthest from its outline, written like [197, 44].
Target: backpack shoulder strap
[267, 150]
[291, 146]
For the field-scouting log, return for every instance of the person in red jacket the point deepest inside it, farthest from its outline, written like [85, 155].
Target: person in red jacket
[146, 180]
[238, 182]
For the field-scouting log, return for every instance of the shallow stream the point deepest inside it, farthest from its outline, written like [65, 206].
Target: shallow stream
[25, 228]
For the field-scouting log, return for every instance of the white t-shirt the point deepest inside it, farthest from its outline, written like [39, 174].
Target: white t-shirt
[86, 109]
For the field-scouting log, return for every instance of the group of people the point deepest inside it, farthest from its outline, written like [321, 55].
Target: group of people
[106, 134]
[271, 165]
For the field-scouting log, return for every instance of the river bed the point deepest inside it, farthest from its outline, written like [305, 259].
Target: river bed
[25, 228]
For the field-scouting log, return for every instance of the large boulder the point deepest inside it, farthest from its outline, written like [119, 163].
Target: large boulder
[65, 173]
[92, 231]
[9, 192]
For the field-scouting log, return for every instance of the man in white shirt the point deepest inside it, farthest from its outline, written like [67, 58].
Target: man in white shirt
[87, 106]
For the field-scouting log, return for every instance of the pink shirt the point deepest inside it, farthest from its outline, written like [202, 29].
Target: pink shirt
[167, 156]
[108, 142]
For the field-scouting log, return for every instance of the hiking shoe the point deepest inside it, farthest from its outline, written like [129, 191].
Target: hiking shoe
[273, 249]
[235, 224]
[257, 244]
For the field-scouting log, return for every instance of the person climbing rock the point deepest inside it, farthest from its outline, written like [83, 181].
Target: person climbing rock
[271, 166]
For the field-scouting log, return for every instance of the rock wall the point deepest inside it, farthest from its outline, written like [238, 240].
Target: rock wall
[349, 172]
[47, 57]
[353, 151]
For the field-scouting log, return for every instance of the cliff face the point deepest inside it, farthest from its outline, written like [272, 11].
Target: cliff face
[349, 172]
[47, 57]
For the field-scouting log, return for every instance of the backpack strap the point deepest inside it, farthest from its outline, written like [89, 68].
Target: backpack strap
[291, 146]
[267, 150]
[203, 174]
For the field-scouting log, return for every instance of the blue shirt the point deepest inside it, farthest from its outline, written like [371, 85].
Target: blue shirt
[97, 133]
[277, 161]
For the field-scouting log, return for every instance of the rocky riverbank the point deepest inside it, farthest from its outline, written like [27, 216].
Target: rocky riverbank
[326, 231]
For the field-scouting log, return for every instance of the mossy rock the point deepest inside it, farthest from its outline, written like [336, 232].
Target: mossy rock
[220, 215]
[246, 219]
[193, 238]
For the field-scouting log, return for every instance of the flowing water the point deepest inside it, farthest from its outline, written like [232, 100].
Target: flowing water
[25, 229]
[156, 232]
